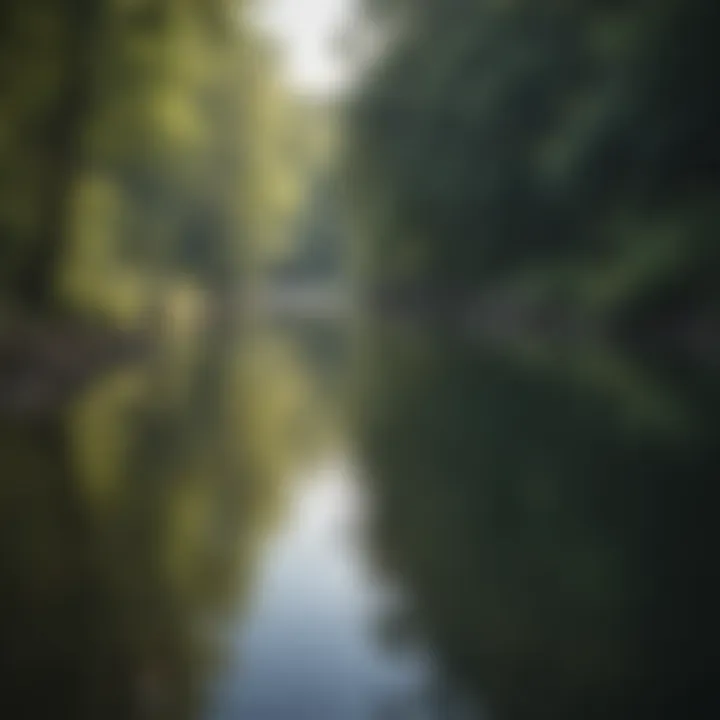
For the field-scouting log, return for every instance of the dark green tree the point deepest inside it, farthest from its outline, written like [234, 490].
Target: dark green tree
[570, 146]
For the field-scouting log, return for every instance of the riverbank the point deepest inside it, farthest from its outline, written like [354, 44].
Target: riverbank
[45, 363]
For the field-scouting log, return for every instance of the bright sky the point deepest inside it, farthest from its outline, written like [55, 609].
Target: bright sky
[307, 30]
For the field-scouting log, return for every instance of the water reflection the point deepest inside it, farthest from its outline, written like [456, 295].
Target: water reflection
[307, 649]
[523, 533]
[552, 515]
[131, 525]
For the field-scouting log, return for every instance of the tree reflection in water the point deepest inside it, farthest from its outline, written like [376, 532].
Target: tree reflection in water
[553, 524]
[131, 522]
[547, 516]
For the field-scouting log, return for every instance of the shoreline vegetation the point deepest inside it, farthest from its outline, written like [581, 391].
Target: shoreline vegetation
[529, 172]
[545, 169]
[46, 362]
[149, 151]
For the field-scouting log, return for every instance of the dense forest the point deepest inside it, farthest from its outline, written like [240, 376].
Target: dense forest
[564, 156]
[148, 167]
[545, 508]
[567, 153]
[548, 172]
[141, 141]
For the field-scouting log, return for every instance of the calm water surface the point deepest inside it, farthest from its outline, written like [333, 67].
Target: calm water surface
[270, 525]
[308, 648]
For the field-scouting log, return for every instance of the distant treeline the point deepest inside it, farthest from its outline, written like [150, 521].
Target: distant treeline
[137, 140]
[567, 149]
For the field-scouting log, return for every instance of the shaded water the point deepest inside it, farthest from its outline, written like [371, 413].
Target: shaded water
[276, 525]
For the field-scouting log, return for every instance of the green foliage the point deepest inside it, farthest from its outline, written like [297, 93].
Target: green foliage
[497, 139]
[319, 248]
[140, 141]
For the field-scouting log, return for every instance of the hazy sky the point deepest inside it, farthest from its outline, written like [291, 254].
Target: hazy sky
[306, 30]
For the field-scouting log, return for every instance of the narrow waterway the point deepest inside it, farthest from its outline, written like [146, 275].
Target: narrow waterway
[282, 525]
[309, 646]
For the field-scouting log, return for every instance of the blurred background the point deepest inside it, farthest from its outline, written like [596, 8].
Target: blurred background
[359, 359]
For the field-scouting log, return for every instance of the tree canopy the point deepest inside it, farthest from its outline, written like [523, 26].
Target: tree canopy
[139, 140]
[571, 145]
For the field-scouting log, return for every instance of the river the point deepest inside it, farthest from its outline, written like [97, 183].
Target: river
[299, 523]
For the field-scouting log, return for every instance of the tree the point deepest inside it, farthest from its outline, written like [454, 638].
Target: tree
[144, 141]
[569, 144]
